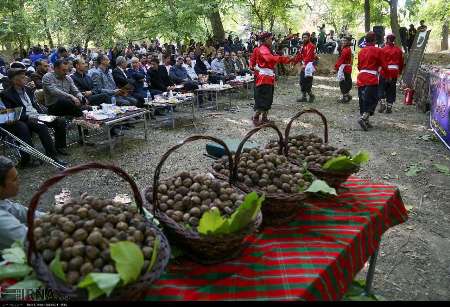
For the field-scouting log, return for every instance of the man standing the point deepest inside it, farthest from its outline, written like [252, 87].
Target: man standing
[343, 68]
[306, 56]
[265, 79]
[411, 35]
[370, 60]
[61, 95]
[393, 59]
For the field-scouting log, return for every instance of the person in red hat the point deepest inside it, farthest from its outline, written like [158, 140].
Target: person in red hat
[343, 67]
[370, 61]
[265, 62]
[393, 58]
[306, 56]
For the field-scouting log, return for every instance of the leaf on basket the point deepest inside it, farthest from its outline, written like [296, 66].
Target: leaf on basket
[211, 222]
[320, 186]
[98, 284]
[14, 270]
[344, 163]
[246, 212]
[154, 254]
[14, 254]
[129, 260]
[56, 267]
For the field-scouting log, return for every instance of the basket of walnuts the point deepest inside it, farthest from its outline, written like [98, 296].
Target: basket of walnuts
[92, 248]
[269, 173]
[208, 218]
[321, 158]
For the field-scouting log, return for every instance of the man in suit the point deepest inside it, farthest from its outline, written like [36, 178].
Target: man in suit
[17, 95]
[159, 78]
[124, 81]
[85, 84]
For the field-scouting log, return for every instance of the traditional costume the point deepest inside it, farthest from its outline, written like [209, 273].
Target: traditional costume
[264, 63]
[343, 67]
[370, 61]
[393, 58]
[307, 56]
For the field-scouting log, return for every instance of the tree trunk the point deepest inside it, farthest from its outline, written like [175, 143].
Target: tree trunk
[444, 41]
[216, 25]
[394, 21]
[47, 33]
[367, 15]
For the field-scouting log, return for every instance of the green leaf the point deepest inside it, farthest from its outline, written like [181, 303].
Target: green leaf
[211, 222]
[14, 254]
[414, 169]
[15, 270]
[154, 254]
[27, 284]
[360, 157]
[129, 260]
[246, 212]
[344, 163]
[320, 186]
[56, 267]
[442, 168]
[99, 283]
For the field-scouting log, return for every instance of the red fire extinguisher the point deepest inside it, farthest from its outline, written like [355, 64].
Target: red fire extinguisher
[409, 94]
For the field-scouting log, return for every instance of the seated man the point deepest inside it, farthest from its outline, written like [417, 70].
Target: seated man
[41, 70]
[85, 84]
[104, 83]
[139, 77]
[60, 93]
[158, 77]
[229, 65]
[17, 95]
[123, 81]
[217, 65]
[179, 75]
[189, 66]
[13, 216]
[240, 64]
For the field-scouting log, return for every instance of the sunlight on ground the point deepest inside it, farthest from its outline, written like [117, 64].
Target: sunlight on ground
[326, 87]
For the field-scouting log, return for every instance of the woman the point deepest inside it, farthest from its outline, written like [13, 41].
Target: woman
[265, 63]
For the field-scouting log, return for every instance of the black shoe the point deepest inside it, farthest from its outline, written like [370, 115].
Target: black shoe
[389, 109]
[368, 124]
[62, 151]
[348, 98]
[363, 124]
[312, 97]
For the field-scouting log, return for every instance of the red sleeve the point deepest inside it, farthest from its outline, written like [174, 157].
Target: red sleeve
[270, 58]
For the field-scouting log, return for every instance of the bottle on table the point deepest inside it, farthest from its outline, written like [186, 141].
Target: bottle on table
[113, 101]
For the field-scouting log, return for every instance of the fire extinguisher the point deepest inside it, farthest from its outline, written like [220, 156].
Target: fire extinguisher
[409, 94]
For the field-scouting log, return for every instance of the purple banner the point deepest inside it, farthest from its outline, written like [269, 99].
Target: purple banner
[440, 104]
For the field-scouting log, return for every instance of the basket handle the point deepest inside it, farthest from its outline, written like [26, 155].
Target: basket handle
[70, 171]
[288, 127]
[172, 149]
[245, 139]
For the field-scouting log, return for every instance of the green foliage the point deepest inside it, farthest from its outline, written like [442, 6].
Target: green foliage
[320, 187]
[154, 254]
[14, 270]
[98, 284]
[56, 267]
[345, 163]
[212, 223]
[129, 260]
[14, 254]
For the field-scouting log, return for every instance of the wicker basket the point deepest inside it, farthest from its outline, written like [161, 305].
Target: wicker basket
[134, 291]
[332, 178]
[205, 249]
[278, 208]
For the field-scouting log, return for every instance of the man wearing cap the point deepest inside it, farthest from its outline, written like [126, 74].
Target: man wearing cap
[393, 58]
[265, 79]
[370, 61]
[306, 56]
[19, 96]
[343, 68]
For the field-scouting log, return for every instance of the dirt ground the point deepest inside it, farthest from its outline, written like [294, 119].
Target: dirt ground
[414, 260]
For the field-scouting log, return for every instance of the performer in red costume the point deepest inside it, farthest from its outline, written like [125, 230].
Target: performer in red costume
[393, 58]
[343, 68]
[370, 61]
[265, 62]
[306, 56]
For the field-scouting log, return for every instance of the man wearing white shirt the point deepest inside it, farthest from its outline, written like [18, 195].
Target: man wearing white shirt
[190, 68]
